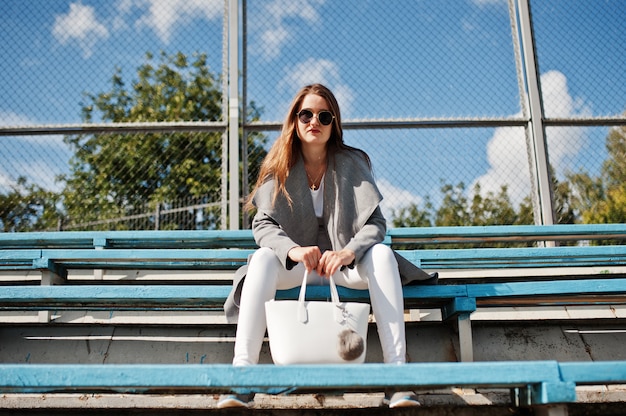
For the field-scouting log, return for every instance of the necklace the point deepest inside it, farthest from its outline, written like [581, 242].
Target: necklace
[319, 177]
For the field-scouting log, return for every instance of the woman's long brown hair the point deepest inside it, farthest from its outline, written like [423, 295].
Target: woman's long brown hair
[285, 152]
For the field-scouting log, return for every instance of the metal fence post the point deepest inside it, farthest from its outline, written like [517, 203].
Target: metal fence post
[233, 113]
[535, 123]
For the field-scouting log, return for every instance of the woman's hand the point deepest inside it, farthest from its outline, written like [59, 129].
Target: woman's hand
[309, 256]
[332, 261]
[324, 264]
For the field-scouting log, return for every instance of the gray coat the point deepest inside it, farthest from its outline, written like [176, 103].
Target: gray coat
[351, 213]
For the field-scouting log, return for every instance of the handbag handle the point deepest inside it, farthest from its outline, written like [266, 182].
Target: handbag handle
[303, 315]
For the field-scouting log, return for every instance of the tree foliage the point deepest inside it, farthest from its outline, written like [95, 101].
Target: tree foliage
[27, 207]
[460, 209]
[602, 199]
[120, 174]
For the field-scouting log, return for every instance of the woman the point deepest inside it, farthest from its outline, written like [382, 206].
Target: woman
[318, 209]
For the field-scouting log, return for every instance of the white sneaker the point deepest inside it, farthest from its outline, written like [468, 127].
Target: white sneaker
[227, 401]
[403, 399]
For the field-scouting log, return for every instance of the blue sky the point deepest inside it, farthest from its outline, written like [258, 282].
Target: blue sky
[398, 59]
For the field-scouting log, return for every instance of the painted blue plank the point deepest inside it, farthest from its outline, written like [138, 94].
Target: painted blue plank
[317, 292]
[554, 287]
[413, 295]
[410, 292]
[129, 239]
[199, 295]
[183, 239]
[190, 297]
[148, 254]
[45, 239]
[114, 296]
[507, 233]
[134, 296]
[10, 255]
[529, 253]
[244, 238]
[517, 257]
[149, 258]
[143, 377]
[596, 372]
[18, 259]
[435, 291]
[212, 294]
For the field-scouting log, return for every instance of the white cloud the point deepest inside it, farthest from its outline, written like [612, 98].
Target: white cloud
[79, 25]
[276, 32]
[9, 118]
[82, 27]
[321, 71]
[164, 16]
[38, 158]
[506, 150]
[273, 40]
[563, 142]
[312, 70]
[394, 197]
[6, 183]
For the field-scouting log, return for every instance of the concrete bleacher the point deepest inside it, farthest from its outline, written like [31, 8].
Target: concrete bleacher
[103, 312]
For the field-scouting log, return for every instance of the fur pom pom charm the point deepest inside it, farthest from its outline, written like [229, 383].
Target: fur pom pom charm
[350, 345]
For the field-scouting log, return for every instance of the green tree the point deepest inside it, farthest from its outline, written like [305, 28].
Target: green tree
[460, 209]
[412, 216]
[526, 214]
[117, 175]
[492, 209]
[454, 209]
[602, 199]
[28, 208]
[564, 208]
[477, 208]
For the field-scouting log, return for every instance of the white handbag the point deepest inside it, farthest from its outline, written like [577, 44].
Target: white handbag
[310, 332]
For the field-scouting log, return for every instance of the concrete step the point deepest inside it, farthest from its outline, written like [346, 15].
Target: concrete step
[458, 402]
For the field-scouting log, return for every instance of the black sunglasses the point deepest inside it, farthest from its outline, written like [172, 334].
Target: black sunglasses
[324, 117]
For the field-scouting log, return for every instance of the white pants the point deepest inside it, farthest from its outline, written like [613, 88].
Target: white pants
[378, 272]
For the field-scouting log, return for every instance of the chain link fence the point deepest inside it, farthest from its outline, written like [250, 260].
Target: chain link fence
[114, 114]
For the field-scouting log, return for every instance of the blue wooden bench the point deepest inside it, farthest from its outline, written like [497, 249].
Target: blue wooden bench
[229, 249]
[56, 253]
[455, 301]
[59, 261]
[243, 238]
[542, 377]
[533, 383]
[463, 297]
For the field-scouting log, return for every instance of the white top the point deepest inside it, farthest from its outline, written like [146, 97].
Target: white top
[318, 199]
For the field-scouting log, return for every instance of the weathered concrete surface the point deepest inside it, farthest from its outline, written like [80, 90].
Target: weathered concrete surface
[434, 404]
[427, 342]
[568, 340]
